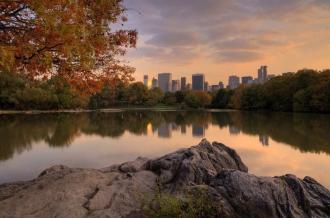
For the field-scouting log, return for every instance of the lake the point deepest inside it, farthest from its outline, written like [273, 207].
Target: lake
[270, 144]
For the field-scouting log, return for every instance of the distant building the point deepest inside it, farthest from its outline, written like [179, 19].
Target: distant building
[145, 80]
[165, 82]
[215, 88]
[247, 80]
[221, 85]
[188, 87]
[175, 85]
[206, 86]
[198, 82]
[262, 74]
[183, 83]
[233, 82]
[154, 83]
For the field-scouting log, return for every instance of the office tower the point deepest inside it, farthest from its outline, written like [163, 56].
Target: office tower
[206, 86]
[154, 83]
[183, 83]
[221, 85]
[188, 87]
[215, 88]
[233, 82]
[145, 80]
[165, 82]
[175, 85]
[198, 82]
[262, 74]
[247, 80]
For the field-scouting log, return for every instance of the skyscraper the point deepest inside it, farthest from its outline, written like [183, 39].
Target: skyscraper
[154, 83]
[206, 86]
[233, 82]
[221, 85]
[175, 85]
[145, 80]
[247, 80]
[262, 74]
[198, 82]
[183, 83]
[165, 82]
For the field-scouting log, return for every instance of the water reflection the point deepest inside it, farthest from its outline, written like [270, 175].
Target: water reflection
[306, 132]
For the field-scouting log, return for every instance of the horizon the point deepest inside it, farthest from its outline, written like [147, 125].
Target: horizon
[227, 37]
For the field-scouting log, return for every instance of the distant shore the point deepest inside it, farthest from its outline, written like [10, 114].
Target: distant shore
[3, 112]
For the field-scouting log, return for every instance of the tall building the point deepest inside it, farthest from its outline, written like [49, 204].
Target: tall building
[145, 80]
[198, 82]
[206, 86]
[262, 74]
[215, 88]
[247, 80]
[188, 87]
[175, 85]
[233, 82]
[165, 82]
[221, 85]
[154, 83]
[183, 83]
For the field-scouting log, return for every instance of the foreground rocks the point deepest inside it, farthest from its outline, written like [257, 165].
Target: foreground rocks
[121, 190]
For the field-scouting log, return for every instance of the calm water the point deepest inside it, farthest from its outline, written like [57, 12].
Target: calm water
[271, 144]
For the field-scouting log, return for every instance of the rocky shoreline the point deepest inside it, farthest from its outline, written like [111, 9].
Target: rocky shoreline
[116, 191]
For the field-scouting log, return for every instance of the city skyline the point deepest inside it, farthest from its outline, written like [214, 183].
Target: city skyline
[228, 37]
[167, 83]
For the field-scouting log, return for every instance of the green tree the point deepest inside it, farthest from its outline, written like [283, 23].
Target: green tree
[221, 98]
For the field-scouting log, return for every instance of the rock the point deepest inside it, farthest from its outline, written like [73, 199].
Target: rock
[195, 165]
[120, 191]
[246, 195]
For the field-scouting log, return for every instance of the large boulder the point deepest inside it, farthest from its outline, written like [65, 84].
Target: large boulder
[121, 191]
[194, 166]
[240, 194]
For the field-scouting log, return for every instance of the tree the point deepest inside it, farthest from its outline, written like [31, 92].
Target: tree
[137, 94]
[70, 38]
[197, 99]
[169, 98]
[155, 96]
[222, 98]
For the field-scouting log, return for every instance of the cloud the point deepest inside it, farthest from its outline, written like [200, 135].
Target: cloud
[238, 56]
[174, 38]
[180, 31]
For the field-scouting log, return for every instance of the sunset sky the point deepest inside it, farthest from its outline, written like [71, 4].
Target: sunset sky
[227, 37]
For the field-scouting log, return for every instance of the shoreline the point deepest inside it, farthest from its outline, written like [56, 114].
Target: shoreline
[109, 110]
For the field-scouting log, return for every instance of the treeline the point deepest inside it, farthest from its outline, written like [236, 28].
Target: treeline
[304, 91]
[137, 94]
[20, 93]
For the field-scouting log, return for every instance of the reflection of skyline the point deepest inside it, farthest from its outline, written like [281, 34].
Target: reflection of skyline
[233, 130]
[198, 130]
[307, 132]
[164, 130]
[264, 139]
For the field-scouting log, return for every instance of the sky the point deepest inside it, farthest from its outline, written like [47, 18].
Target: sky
[228, 37]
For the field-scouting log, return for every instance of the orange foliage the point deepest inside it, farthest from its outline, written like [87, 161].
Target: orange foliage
[70, 38]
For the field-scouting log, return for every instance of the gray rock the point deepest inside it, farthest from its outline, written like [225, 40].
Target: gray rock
[122, 190]
[246, 195]
[195, 165]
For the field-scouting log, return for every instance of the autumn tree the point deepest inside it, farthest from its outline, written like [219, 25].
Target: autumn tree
[75, 39]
